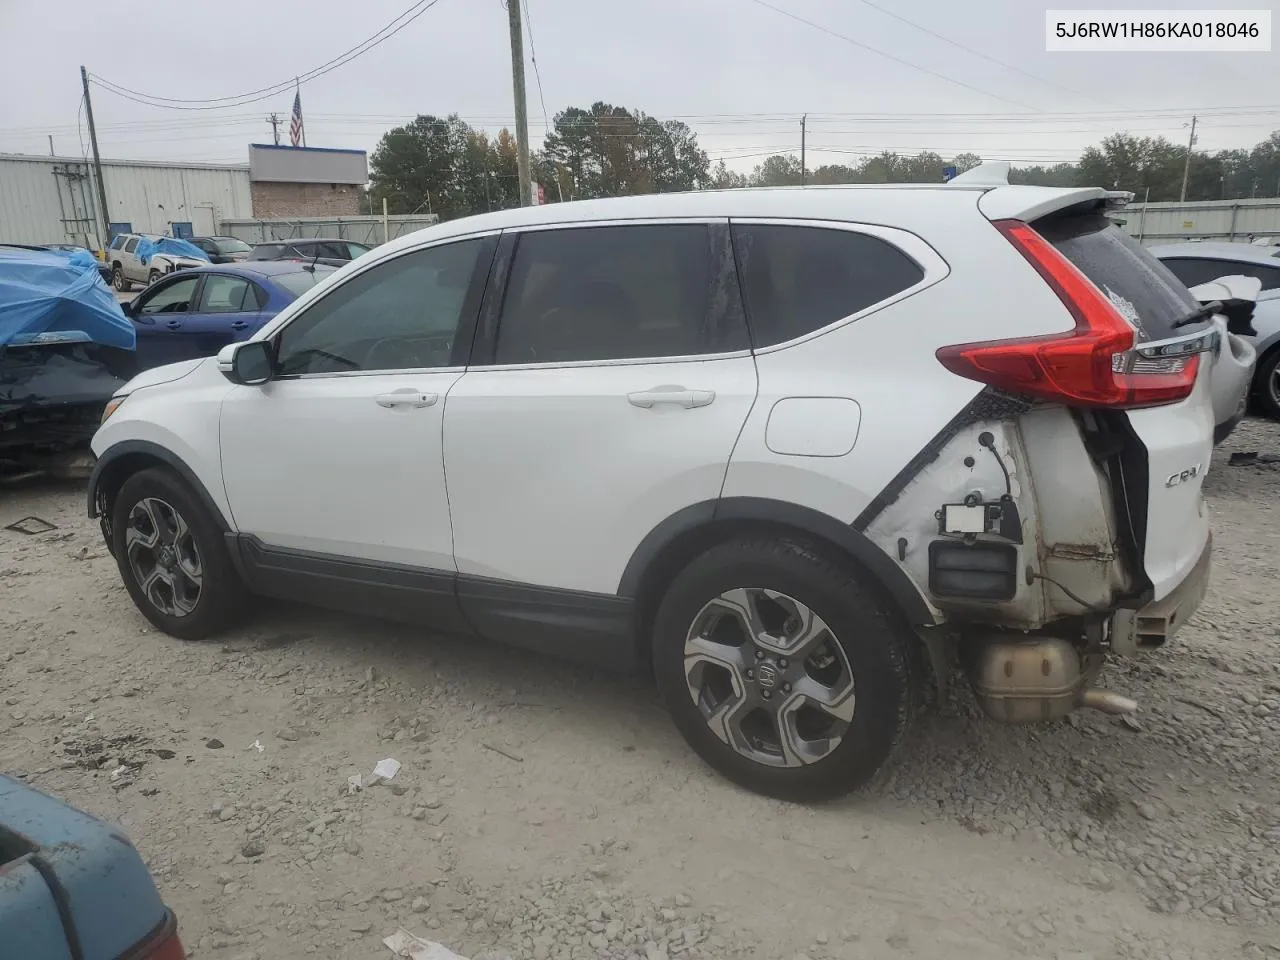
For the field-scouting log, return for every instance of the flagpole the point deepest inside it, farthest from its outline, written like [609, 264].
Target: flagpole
[297, 92]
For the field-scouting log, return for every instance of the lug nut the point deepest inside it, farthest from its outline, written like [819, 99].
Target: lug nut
[751, 674]
[786, 688]
[783, 663]
[759, 654]
[766, 694]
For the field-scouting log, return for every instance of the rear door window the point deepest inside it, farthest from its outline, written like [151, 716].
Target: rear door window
[796, 280]
[1194, 271]
[1143, 289]
[131, 245]
[621, 292]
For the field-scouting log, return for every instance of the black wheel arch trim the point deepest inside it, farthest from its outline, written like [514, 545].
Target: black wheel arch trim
[126, 448]
[804, 520]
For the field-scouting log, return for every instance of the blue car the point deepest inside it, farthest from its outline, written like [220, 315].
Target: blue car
[73, 887]
[195, 313]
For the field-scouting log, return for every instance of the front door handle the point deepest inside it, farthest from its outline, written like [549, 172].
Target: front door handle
[239, 324]
[406, 398]
[680, 396]
[174, 324]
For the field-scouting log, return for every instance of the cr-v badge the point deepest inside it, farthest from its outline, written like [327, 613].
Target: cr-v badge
[1175, 479]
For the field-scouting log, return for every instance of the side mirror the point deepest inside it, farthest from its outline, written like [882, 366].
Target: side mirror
[247, 363]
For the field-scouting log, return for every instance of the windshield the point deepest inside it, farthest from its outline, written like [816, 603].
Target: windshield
[228, 245]
[302, 281]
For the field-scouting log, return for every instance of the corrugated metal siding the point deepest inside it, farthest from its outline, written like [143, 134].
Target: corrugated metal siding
[148, 195]
[1156, 223]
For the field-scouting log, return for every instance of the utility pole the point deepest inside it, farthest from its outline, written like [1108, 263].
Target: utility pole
[97, 161]
[1186, 167]
[803, 119]
[51, 153]
[522, 113]
[274, 120]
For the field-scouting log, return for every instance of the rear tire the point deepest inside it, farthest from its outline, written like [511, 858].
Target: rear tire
[1266, 385]
[807, 727]
[173, 558]
[118, 280]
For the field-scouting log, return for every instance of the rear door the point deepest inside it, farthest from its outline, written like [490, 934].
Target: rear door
[607, 396]
[1176, 439]
[228, 309]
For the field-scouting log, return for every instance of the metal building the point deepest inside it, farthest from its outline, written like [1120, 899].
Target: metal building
[54, 199]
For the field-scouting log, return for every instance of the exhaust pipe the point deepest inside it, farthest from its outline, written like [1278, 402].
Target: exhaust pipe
[1107, 702]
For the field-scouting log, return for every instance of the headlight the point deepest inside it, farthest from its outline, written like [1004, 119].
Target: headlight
[112, 406]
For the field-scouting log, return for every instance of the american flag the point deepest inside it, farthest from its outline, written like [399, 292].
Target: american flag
[295, 124]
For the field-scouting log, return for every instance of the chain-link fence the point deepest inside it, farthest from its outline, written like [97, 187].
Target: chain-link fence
[371, 230]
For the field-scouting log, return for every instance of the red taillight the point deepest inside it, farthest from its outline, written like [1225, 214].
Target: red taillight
[1093, 365]
[170, 948]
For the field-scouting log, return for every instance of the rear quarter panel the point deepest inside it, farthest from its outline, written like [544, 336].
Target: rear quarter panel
[978, 287]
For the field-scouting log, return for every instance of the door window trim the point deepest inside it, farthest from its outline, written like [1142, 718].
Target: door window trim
[931, 263]
[489, 326]
[466, 324]
[173, 279]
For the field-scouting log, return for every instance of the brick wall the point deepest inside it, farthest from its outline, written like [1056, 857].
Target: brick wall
[271, 200]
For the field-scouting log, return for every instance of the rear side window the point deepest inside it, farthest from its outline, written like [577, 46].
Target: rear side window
[620, 293]
[129, 247]
[1198, 270]
[1140, 286]
[300, 282]
[796, 280]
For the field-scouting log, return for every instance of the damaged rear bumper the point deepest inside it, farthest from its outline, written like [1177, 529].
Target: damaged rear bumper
[1133, 631]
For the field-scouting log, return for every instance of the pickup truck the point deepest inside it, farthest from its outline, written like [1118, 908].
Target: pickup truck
[74, 888]
[145, 258]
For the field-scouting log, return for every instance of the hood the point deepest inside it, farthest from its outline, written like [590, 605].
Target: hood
[170, 246]
[166, 374]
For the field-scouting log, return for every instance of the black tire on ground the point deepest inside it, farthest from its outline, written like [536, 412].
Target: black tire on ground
[1266, 385]
[222, 597]
[876, 646]
[118, 280]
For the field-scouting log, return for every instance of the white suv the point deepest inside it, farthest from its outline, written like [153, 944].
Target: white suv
[798, 450]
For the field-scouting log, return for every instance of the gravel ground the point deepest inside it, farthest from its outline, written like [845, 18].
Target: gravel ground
[543, 811]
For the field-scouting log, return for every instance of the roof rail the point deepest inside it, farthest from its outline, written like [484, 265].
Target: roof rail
[992, 173]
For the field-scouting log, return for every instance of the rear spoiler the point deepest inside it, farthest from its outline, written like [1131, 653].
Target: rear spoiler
[1001, 201]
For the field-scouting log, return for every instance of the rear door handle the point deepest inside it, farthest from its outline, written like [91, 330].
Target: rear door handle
[239, 324]
[406, 398]
[680, 396]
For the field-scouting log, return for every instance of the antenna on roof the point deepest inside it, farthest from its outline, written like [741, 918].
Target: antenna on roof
[992, 173]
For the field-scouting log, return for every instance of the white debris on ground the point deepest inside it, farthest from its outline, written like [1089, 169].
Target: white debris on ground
[542, 811]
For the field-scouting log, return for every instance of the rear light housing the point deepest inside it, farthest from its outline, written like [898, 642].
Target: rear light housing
[1098, 364]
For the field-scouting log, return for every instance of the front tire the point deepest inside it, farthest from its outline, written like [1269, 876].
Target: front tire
[153, 276]
[782, 671]
[173, 558]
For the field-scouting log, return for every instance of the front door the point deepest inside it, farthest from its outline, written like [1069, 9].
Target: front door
[607, 397]
[159, 317]
[334, 469]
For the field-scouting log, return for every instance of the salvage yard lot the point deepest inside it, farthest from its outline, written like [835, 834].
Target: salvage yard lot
[546, 811]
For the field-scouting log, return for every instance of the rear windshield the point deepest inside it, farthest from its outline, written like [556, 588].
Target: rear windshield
[1140, 286]
[229, 245]
[302, 281]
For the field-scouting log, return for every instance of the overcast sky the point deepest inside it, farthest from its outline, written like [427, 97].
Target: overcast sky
[737, 72]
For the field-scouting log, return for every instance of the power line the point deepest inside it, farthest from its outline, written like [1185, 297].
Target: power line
[533, 56]
[977, 53]
[413, 12]
[888, 56]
